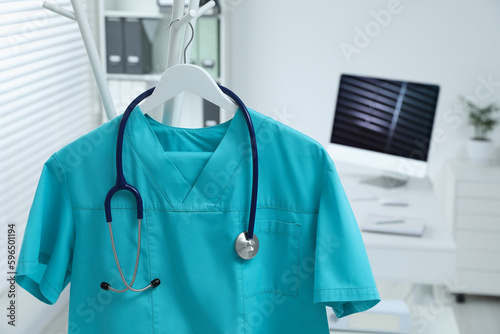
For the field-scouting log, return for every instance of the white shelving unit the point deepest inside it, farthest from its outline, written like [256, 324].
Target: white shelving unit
[125, 87]
[473, 210]
[140, 14]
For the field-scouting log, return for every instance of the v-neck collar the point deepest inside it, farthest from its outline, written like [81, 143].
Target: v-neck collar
[208, 187]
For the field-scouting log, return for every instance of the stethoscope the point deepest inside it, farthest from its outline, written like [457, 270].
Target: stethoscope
[246, 243]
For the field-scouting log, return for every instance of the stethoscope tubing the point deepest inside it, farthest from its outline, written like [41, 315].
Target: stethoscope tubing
[255, 160]
[128, 286]
[121, 184]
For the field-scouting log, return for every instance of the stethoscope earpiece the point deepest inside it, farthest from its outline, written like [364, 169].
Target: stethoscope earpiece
[154, 283]
[246, 244]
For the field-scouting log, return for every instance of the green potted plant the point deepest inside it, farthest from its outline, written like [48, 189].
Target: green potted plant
[480, 148]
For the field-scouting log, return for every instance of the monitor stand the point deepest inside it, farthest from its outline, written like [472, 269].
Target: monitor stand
[387, 180]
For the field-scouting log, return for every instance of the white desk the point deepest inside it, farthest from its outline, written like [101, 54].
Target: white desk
[443, 323]
[423, 261]
[429, 259]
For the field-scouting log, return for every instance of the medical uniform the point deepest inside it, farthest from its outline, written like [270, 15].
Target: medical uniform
[196, 188]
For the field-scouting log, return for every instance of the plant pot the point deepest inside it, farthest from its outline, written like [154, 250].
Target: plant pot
[480, 151]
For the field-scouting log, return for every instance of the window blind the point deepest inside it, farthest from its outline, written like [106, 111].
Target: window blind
[394, 117]
[47, 99]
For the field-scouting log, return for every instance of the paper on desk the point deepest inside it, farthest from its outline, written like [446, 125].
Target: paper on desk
[410, 226]
[356, 191]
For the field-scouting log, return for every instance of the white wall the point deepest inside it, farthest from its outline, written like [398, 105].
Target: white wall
[286, 58]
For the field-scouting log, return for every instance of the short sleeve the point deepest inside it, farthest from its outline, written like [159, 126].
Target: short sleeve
[45, 258]
[343, 278]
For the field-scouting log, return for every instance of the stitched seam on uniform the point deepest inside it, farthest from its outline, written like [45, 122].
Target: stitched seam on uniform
[358, 288]
[174, 210]
[276, 292]
[239, 163]
[55, 289]
[288, 210]
[65, 179]
[280, 233]
[37, 262]
[298, 261]
[128, 208]
[243, 299]
[292, 294]
[71, 204]
[31, 261]
[150, 174]
[230, 178]
[149, 265]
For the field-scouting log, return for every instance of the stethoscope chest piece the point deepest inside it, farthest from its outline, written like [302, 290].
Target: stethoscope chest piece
[246, 248]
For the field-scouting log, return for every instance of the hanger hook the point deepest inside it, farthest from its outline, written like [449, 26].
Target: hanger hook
[190, 40]
[172, 22]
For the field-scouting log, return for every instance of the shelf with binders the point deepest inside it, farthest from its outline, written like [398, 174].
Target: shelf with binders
[133, 42]
[137, 45]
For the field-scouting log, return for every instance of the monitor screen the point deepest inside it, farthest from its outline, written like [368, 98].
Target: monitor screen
[386, 116]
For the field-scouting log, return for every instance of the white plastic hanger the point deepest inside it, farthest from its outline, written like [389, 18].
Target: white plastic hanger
[182, 77]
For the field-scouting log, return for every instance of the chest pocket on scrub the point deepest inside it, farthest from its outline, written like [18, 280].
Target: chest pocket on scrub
[275, 267]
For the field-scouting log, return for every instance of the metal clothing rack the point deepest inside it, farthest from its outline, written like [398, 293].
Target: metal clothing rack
[172, 109]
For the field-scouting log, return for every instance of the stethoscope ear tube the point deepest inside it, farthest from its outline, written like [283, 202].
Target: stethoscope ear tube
[106, 286]
[121, 183]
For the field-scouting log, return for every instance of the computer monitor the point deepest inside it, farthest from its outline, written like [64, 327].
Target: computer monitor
[384, 124]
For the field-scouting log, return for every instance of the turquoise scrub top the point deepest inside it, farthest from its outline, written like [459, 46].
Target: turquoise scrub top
[196, 187]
